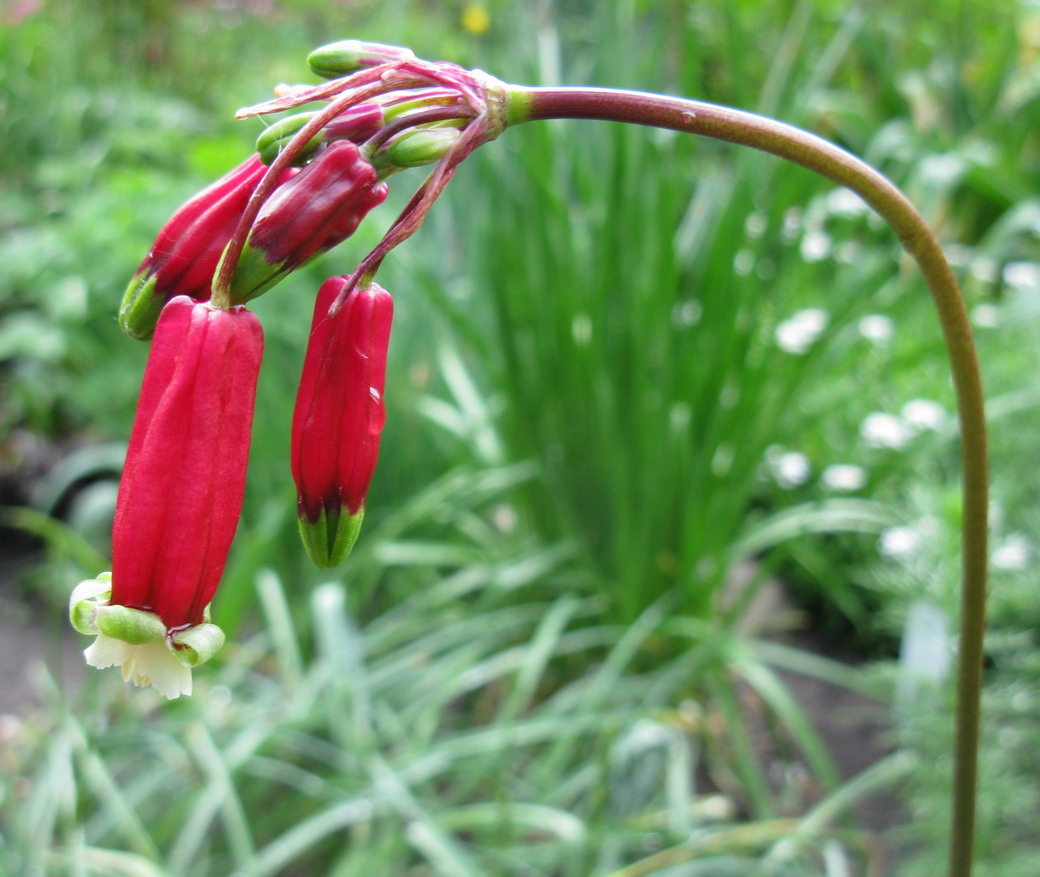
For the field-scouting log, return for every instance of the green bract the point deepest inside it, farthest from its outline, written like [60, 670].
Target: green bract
[197, 644]
[133, 626]
[331, 538]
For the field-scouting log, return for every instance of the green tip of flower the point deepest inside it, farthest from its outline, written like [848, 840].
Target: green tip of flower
[140, 308]
[331, 538]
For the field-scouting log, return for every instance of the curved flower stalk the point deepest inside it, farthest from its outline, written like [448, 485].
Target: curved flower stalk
[339, 416]
[179, 499]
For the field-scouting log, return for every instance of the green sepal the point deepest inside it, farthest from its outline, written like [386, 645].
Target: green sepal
[81, 614]
[254, 274]
[133, 626]
[196, 645]
[139, 311]
[87, 597]
[331, 538]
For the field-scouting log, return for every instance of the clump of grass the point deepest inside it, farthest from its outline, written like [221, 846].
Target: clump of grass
[469, 730]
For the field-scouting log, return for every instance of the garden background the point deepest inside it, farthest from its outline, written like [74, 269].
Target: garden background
[636, 381]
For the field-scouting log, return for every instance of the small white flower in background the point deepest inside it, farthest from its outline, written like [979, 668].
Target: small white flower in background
[755, 224]
[816, 245]
[877, 328]
[924, 414]
[844, 477]
[799, 332]
[985, 269]
[504, 518]
[789, 469]
[792, 470]
[897, 542]
[792, 224]
[986, 315]
[1014, 553]
[881, 430]
[1022, 276]
[744, 262]
[845, 203]
[958, 255]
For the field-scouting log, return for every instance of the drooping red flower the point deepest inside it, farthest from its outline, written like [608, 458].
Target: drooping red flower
[180, 496]
[186, 251]
[314, 211]
[339, 416]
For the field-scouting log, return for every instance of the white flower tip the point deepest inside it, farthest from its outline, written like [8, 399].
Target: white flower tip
[143, 664]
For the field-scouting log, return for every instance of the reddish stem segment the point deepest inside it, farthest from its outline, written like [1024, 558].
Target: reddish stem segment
[828, 160]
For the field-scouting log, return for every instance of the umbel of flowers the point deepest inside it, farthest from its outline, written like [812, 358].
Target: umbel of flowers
[313, 179]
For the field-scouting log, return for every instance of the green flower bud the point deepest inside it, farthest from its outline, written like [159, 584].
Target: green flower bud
[421, 146]
[274, 139]
[349, 56]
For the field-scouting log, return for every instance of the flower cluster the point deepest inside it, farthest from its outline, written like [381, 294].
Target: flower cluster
[314, 178]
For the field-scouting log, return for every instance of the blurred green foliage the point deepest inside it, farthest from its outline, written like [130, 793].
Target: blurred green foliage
[625, 363]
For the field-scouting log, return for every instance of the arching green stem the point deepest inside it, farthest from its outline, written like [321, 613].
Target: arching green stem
[830, 161]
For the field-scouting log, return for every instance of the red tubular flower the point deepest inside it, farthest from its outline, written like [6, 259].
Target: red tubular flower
[181, 493]
[314, 211]
[339, 416]
[179, 499]
[188, 248]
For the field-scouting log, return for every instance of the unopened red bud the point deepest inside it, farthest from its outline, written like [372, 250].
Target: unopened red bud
[316, 210]
[339, 416]
[186, 251]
